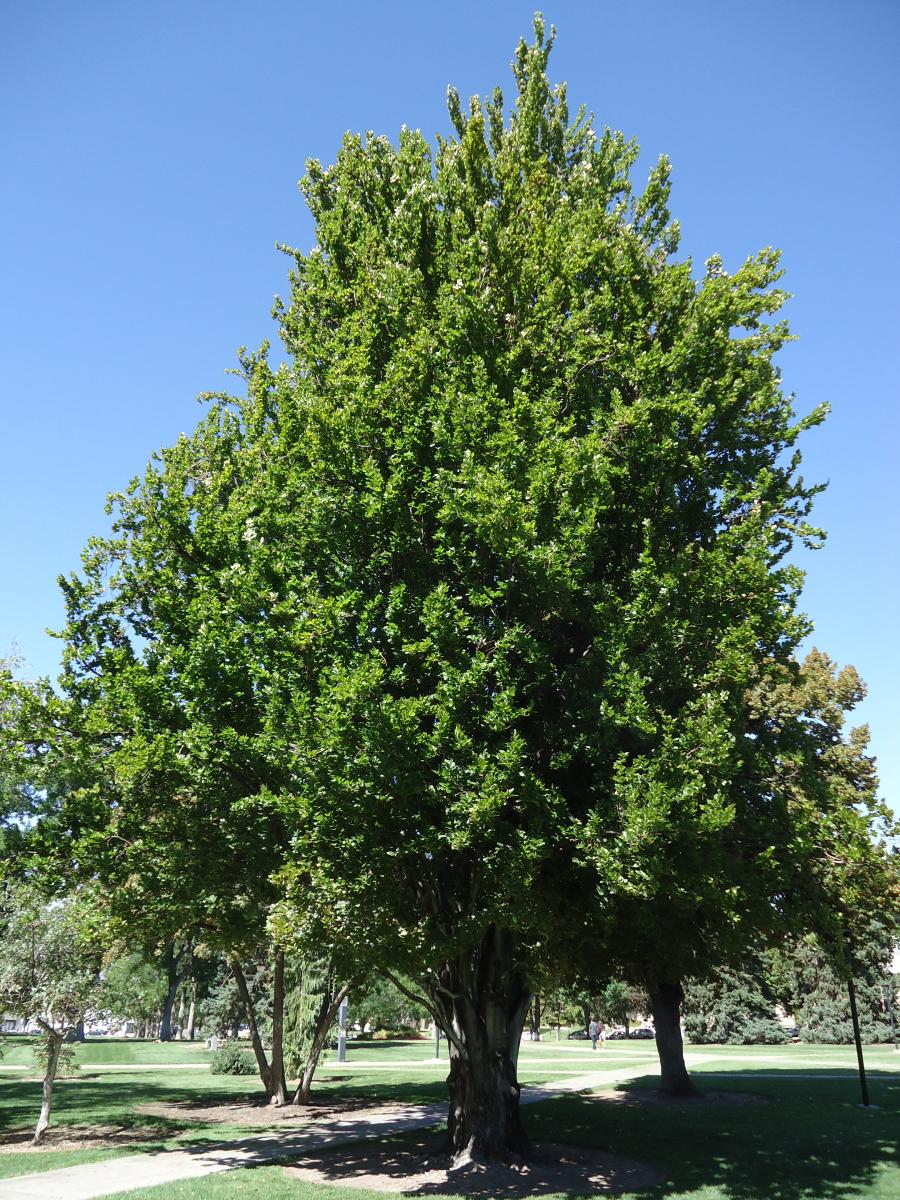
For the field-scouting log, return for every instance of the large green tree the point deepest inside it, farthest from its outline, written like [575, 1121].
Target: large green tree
[540, 493]
[442, 634]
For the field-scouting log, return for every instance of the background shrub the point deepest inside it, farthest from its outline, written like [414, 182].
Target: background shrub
[233, 1059]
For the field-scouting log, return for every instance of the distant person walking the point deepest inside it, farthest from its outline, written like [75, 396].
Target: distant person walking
[594, 1032]
[601, 1034]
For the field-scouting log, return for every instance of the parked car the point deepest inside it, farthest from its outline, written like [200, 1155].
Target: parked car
[579, 1034]
[643, 1032]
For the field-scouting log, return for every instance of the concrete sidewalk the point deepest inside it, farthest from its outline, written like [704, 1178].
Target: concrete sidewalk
[131, 1171]
[104, 1178]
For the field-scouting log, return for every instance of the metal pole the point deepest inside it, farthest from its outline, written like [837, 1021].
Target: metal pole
[864, 1087]
[437, 1041]
[342, 1031]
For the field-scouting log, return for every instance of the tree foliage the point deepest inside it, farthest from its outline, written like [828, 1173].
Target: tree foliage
[50, 960]
[466, 624]
[734, 1008]
[813, 987]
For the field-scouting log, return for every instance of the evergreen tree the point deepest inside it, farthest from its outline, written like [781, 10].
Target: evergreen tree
[813, 987]
[732, 1008]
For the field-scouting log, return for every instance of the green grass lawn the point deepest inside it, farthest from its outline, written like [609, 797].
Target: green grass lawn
[811, 1141]
[94, 1052]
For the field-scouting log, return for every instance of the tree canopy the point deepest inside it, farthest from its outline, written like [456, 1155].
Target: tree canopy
[444, 636]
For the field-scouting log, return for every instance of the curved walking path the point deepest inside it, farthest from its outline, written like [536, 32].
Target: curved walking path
[131, 1171]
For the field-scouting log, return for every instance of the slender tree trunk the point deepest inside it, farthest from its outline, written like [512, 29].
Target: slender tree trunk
[278, 1084]
[179, 1021]
[261, 1061]
[481, 998]
[665, 1000]
[192, 1013]
[536, 1019]
[54, 1045]
[328, 1010]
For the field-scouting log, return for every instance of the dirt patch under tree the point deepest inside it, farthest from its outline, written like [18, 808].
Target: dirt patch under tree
[415, 1166]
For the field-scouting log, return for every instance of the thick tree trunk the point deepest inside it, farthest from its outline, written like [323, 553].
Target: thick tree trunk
[665, 1000]
[481, 998]
[54, 1045]
[277, 1082]
[172, 980]
[261, 1061]
[328, 1010]
[79, 1032]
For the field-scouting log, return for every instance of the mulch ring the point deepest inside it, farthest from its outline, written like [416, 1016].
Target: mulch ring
[260, 1115]
[646, 1098]
[82, 1137]
[413, 1166]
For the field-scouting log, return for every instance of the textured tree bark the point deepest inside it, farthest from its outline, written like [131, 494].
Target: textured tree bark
[481, 998]
[277, 1082]
[325, 1019]
[665, 1000]
[262, 1062]
[172, 981]
[55, 1041]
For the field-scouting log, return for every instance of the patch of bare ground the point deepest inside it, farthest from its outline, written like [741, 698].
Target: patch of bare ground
[82, 1137]
[644, 1098]
[259, 1116]
[416, 1167]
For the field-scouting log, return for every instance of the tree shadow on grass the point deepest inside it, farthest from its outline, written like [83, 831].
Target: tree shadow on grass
[86, 1101]
[811, 1140]
[418, 1165]
[99, 1099]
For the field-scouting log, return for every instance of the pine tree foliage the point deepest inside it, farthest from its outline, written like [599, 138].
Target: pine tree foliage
[310, 985]
[733, 1008]
[813, 986]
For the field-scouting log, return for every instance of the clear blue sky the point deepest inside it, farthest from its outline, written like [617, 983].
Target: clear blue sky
[150, 160]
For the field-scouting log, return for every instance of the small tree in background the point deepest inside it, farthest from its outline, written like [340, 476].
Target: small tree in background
[132, 990]
[620, 1003]
[382, 1005]
[50, 960]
